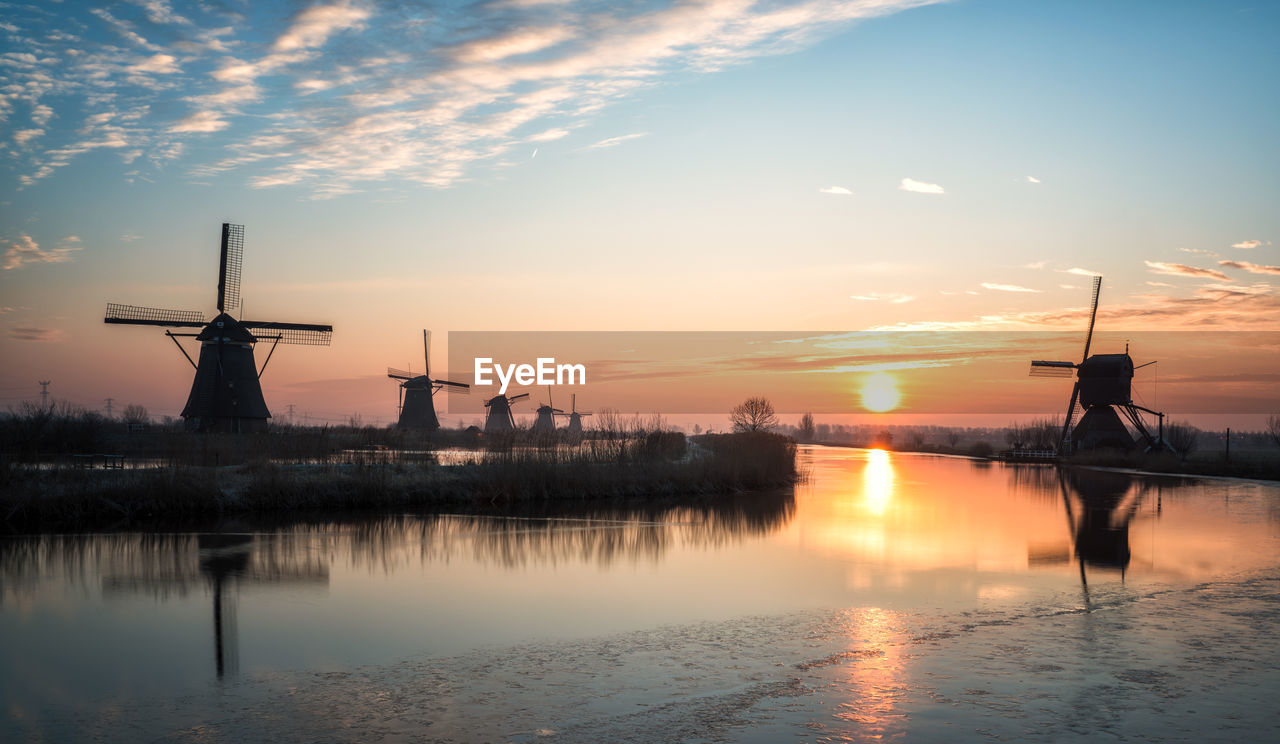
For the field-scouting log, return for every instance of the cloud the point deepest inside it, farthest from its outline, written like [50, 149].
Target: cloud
[35, 334]
[920, 187]
[548, 135]
[1068, 286]
[1082, 272]
[1008, 288]
[839, 190]
[130, 237]
[1035, 265]
[345, 94]
[1158, 284]
[1247, 244]
[1252, 268]
[25, 250]
[1176, 269]
[158, 63]
[896, 299]
[615, 141]
[314, 25]
[201, 121]
[1032, 179]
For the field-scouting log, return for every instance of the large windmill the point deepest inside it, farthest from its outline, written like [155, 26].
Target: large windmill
[1103, 390]
[499, 418]
[575, 417]
[417, 407]
[226, 394]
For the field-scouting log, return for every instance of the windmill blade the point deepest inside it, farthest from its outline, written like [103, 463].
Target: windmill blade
[515, 398]
[426, 352]
[298, 334]
[1093, 315]
[462, 385]
[1066, 422]
[400, 374]
[231, 256]
[134, 315]
[1052, 369]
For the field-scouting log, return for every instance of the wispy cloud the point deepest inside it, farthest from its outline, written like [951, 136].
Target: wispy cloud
[1252, 268]
[1082, 272]
[347, 94]
[1008, 288]
[25, 250]
[35, 334]
[615, 141]
[897, 299]
[920, 187]
[1035, 265]
[1247, 244]
[1177, 269]
[1032, 179]
[1158, 284]
[839, 190]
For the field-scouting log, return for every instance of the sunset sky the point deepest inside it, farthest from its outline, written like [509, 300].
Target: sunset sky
[552, 165]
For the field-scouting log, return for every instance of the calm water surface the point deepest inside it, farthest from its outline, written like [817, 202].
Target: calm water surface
[888, 596]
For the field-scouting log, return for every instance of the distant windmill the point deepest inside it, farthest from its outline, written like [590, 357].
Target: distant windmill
[499, 418]
[575, 418]
[1103, 387]
[417, 407]
[226, 394]
[546, 421]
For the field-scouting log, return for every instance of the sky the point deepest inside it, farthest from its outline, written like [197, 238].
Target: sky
[526, 165]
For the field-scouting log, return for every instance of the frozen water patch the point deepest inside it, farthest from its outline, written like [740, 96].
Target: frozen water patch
[1193, 664]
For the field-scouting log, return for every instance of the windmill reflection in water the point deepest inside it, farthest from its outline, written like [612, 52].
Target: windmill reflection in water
[225, 563]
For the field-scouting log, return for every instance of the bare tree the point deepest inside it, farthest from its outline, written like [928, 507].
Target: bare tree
[953, 437]
[1273, 428]
[753, 414]
[1182, 439]
[136, 414]
[807, 428]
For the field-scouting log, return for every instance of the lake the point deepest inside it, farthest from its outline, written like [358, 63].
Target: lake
[887, 597]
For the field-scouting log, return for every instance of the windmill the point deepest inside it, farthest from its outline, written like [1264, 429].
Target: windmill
[546, 421]
[1103, 390]
[499, 417]
[225, 394]
[575, 418]
[417, 407]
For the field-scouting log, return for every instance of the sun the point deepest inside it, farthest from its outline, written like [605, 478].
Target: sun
[880, 393]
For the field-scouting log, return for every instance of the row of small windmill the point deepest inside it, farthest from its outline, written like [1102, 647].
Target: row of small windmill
[226, 394]
[418, 411]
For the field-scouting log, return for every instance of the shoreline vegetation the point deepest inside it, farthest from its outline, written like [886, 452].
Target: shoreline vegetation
[173, 477]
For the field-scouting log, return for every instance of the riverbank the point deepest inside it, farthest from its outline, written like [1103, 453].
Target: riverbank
[625, 473]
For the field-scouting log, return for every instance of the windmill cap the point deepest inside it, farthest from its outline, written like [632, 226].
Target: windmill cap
[226, 327]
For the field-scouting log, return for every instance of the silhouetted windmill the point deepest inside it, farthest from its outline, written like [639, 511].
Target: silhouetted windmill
[499, 418]
[226, 394]
[575, 418]
[417, 407]
[546, 421]
[1103, 387]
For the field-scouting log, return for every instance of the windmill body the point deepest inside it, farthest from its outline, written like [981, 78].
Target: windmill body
[574, 428]
[499, 417]
[226, 394]
[1104, 392]
[417, 406]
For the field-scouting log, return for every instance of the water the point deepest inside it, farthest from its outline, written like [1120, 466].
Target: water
[889, 597]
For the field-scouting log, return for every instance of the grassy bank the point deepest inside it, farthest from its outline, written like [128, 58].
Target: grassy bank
[1259, 467]
[657, 467]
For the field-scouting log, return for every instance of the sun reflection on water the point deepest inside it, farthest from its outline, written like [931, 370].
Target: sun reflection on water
[875, 675]
[878, 482]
